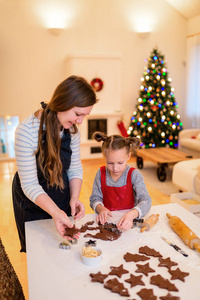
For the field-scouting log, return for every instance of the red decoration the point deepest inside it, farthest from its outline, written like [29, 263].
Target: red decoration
[97, 84]
[122, 129]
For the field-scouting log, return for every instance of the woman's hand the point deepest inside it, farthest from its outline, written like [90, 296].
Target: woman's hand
[62, 221]
[77, 208]
[126, 221]
[103, 214]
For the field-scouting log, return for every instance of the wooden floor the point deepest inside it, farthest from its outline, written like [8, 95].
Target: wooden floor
[8, 231]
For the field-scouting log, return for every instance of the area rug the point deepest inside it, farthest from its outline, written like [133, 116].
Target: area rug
[149, 173]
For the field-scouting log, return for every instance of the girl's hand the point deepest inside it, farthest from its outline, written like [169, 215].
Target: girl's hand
[103, 213]
[62, 221]
[77, 208]
[126, 221]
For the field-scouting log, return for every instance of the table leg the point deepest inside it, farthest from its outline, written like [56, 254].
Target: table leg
[161, 172]
[139, 162]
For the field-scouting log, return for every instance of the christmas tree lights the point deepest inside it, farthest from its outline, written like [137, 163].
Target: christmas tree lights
[156, 120]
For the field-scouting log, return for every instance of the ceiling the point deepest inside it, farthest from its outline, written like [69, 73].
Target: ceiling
[187, 8]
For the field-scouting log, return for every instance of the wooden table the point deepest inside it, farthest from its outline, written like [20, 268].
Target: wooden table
[59, 274]
[162, 156]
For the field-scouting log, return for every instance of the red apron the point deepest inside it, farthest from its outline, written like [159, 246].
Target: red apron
[117, 198]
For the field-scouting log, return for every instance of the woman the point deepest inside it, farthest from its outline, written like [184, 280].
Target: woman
[47, 148]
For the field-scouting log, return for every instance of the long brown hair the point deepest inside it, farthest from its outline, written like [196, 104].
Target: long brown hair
[116, 142]
[73, 91]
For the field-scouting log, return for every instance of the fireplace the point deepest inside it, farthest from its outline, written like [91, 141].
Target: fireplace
[106, 123]
[96, 125]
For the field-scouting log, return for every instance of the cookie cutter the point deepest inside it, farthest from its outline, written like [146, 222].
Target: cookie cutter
[91, 243]
[64, 246]
[137, 223]
[74, 241]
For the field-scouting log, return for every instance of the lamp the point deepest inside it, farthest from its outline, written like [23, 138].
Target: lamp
[144, 35]
[55, 31]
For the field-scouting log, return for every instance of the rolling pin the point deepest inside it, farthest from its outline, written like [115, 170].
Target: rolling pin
[184, 232]
[150, 222]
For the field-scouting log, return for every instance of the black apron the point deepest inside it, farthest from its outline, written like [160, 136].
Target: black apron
[25, 210]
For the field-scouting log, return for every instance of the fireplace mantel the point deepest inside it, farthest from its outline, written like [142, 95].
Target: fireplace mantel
[107, 67]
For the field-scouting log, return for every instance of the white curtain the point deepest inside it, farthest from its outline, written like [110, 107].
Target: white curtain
[192, 106]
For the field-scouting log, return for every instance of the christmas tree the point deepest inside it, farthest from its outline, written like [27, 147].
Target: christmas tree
[156, 120]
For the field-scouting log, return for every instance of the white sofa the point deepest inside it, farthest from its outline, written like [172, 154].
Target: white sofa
[189, 141]
[186, 175]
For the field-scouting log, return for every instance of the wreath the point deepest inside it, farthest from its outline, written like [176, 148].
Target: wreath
[97, 84]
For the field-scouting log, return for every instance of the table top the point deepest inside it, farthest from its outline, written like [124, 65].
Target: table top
[163, 155]
[54, 273]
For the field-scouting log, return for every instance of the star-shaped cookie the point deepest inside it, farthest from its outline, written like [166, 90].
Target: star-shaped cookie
[169, 297]
[119, 271]
[178, 274]
[135, 280]
[166, 262]
[98, 277]
[71, 232]
[145, 269]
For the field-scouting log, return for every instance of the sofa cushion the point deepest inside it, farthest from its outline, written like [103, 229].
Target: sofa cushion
[191, 143]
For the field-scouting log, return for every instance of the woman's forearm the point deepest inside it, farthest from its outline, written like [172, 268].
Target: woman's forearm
[47, 204]
[75, 187]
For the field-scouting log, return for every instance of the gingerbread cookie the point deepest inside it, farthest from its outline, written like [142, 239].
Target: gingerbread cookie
[135, 280]
[105, 234]
[163, 283]
[86, 227]
[169, 297]
[116, 287]
[145, 269]
[71, 232]
[147, 294]
[149, 251]
[167, 262]
[135, 257]
[98, 277]
[118, 271]
[178, 274]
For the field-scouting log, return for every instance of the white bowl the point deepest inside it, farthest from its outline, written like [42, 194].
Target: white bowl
[92, 261]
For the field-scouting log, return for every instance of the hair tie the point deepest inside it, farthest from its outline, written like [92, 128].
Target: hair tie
[43, 104]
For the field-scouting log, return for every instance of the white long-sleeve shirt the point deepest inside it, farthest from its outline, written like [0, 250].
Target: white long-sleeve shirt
[26, 143]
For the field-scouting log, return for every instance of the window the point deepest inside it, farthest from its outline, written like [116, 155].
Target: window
[8, 125]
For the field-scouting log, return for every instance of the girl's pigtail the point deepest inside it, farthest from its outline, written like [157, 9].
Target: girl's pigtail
[99, 136]
[134, 143]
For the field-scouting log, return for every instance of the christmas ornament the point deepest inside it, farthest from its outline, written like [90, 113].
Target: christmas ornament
[97, 84]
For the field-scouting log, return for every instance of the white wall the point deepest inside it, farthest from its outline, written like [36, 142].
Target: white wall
[33, 61]
[191, 109]
[193, 25]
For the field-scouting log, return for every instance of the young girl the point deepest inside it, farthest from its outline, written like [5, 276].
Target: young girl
[118, 186]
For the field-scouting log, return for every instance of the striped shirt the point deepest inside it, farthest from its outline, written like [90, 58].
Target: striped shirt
[26, 143]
